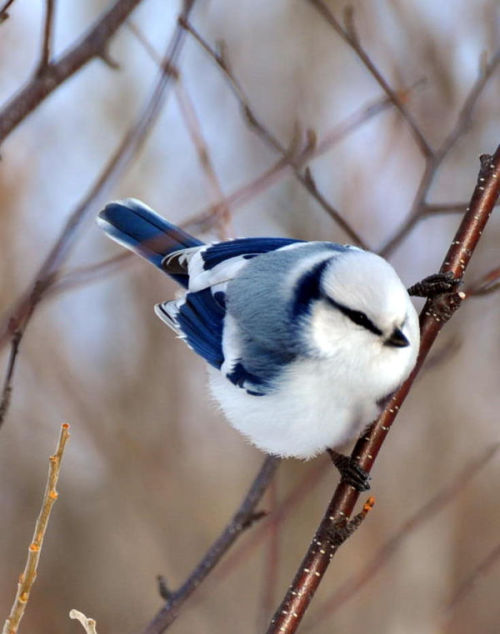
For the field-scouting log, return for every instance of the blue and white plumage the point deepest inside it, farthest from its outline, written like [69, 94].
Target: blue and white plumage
[304, 340]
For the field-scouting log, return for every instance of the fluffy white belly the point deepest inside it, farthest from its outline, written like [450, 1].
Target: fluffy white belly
[306, 413]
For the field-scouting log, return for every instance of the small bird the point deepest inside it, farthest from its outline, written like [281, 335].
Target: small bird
[305, 341]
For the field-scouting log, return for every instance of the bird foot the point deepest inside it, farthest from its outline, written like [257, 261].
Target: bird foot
[435, 284]
[351, 473]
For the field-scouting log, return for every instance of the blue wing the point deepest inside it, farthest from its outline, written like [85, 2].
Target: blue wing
[199, 316]
[245, 248]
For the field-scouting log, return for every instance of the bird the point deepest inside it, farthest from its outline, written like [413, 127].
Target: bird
[305, 341]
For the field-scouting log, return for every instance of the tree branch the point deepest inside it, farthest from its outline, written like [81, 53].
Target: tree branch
[419, 208]
[241, 520]
[48, 27]
[349, 35]
[444, 496]
[27, 578]
[435, 314]
[18, 317]
[52, 75]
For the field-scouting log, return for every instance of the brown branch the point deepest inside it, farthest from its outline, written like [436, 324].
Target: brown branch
[349, 35]
[48, 27]
[489, 283]
[193, 126]
[3, 11]
[297, 156]
[419, 208]
[91, 45]
[435, 314]
[241, 520]
[19, 316]
[355, 582]
[466, 587]
[27, 578]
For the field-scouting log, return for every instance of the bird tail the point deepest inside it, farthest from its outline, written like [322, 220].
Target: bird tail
[137, 227]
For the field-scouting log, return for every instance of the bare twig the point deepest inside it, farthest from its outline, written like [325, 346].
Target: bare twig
[3, 10]
[19, 316]
[9, 374]
[355, 582]
[242, 519]
[48, 27]
[39, 87]
[468, 584]
[28, 577]
[489, 283]
[419, 207]
[296, 157]
[435, 314]
[349, 35]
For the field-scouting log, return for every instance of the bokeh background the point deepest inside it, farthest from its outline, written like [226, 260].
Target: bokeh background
[153, 472]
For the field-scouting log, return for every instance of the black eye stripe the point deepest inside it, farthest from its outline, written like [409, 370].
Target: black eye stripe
[356, 316]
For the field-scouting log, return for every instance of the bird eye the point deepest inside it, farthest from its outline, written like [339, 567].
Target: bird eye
[360, 318]
[356, 316]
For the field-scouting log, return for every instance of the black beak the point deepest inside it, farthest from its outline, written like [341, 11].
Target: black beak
[397, 339]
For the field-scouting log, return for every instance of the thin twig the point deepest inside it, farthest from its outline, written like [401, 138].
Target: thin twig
[419, 206]
[19, 316]
[432, 209]
[489, 283]
[242, 519]
[350, 36]
[28, 577]
[468, 584]
[3, 11]
[48, 26]
[296, 157]
[91, 45]
[9, 374]
[351, 586]
[435, 314]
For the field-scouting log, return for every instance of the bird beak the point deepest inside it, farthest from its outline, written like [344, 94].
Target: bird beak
[397, 339]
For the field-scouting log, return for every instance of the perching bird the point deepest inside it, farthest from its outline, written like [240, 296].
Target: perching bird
[304, 340]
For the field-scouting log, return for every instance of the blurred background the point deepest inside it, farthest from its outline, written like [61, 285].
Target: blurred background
[152, 472]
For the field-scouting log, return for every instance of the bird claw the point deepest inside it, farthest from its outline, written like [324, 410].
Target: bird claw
[435, 284]
[351, 473]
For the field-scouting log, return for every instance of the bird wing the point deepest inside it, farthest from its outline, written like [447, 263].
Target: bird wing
[198, 317]
[218, 263]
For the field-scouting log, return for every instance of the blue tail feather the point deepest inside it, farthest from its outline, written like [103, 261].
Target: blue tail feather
[140, 229]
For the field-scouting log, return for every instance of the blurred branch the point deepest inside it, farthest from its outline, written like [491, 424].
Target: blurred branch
[188, 112]
[283, 166]
[270, 569]
[52, 75]
[18, 317]
[48, 27]
[419, 207]
[28, 577]
[489, 283]
[242, 519]
[3, 10]
[351, 586]
[297, 155]
[436, 312]
[466, 587]
[349, 34]
[9, 374]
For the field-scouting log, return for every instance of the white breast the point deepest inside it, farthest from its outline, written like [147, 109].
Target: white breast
[315, 406]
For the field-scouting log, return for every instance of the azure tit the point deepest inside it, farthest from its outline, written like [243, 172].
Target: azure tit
[304, 341]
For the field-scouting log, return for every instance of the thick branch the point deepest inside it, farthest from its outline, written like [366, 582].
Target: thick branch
[52, 75]
[435, 314]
